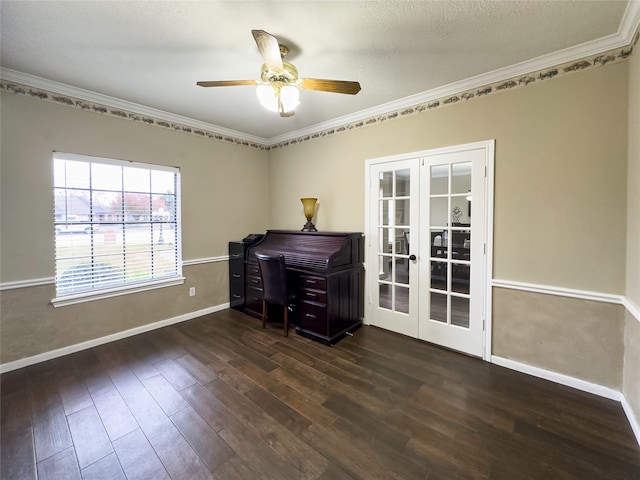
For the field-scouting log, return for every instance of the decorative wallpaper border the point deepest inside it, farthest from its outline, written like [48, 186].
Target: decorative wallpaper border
[612, 56]
[124, 114]
[601, 59]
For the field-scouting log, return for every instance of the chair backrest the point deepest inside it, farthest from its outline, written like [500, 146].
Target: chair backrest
[274, 279]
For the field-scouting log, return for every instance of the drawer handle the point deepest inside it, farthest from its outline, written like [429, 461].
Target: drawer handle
[237, 296]
[309, 294]
[310, 316]
[254, 281]
[236, 275]
[312, 282]
[236, 255]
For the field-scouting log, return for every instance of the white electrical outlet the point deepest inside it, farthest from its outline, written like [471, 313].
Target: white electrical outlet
[192, 291]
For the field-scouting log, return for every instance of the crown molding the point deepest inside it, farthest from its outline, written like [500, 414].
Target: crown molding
[630, 21]
[113, 102]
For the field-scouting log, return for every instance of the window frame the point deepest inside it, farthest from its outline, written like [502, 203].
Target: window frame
[63, 299]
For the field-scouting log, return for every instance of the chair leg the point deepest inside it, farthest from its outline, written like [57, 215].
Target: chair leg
[286, 321]
[264, 314]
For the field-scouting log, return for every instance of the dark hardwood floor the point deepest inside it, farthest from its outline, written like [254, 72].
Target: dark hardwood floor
[218, 397]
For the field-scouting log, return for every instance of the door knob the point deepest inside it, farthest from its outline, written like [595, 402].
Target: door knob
[412, 257]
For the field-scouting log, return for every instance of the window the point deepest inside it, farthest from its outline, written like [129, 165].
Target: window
[117, 227]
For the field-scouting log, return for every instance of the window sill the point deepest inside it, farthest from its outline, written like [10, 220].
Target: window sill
[115, 292]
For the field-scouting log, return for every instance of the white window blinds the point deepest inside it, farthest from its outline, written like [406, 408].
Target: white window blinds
[117, 224]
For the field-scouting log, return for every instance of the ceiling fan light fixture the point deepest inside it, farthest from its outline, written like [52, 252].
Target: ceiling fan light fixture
[290, 97]
[268, 96]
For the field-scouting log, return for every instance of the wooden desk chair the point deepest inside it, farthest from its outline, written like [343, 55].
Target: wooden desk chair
[275, 288]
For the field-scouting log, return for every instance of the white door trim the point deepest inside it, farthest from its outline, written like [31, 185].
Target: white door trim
[489, 147]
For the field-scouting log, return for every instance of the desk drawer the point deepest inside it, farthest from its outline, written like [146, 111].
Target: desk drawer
[253, 270]
[313, 318]
[255, 282]
[313, 295]
[317, 283]
[253, 300]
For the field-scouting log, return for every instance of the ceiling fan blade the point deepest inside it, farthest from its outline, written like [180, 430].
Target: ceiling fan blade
[227, 83]
[334, 86]
[269, 49]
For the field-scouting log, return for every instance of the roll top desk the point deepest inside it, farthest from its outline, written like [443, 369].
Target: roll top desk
[325, 271]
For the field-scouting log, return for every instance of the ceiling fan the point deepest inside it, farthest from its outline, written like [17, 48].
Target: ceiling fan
[279, 81]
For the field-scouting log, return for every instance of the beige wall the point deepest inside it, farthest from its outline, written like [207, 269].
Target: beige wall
[560, 175]
[631, 388]
[219, 183]
[560, 205]
[580, 338]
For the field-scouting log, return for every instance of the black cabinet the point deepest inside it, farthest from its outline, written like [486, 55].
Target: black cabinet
[237, 254]
[236, 275]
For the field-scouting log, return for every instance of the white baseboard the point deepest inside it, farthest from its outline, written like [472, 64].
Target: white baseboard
[43, 357]
[573, 382]
[556, 377]
[633, 420]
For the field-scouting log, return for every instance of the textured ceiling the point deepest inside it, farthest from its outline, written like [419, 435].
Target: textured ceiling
[152, 53]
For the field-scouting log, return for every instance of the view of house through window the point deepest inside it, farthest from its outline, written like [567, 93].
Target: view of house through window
[116, 223]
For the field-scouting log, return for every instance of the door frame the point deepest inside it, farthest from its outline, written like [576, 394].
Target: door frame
[489, 148]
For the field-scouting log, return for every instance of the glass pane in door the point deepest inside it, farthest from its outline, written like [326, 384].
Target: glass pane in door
[403, 182]
[402, 299]
[450, 231]
[461, 178]
[460, 311]
[384, 295]
[394, 230]
[438, 211]
[439, 179]
[438, 307]
[386, 184]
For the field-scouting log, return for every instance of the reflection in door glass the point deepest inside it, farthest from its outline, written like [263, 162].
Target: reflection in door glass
[384, 296]
[439, 179]
[385, 209]
[439, 243]
[402, 299]
[460, 311]
[402, 270]
[385, 240]
[403, 178]
[461, 177]
[438, 307]
[439, 275]
[438, 212]
[385, 268]
[402, 212]
[460, 278]
[386, 184]
[402, 241]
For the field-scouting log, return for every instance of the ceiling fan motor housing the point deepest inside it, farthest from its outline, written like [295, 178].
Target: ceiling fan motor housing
[289, 74]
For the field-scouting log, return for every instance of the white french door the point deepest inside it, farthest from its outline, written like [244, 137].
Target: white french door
[427, 231]
[391, 270]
